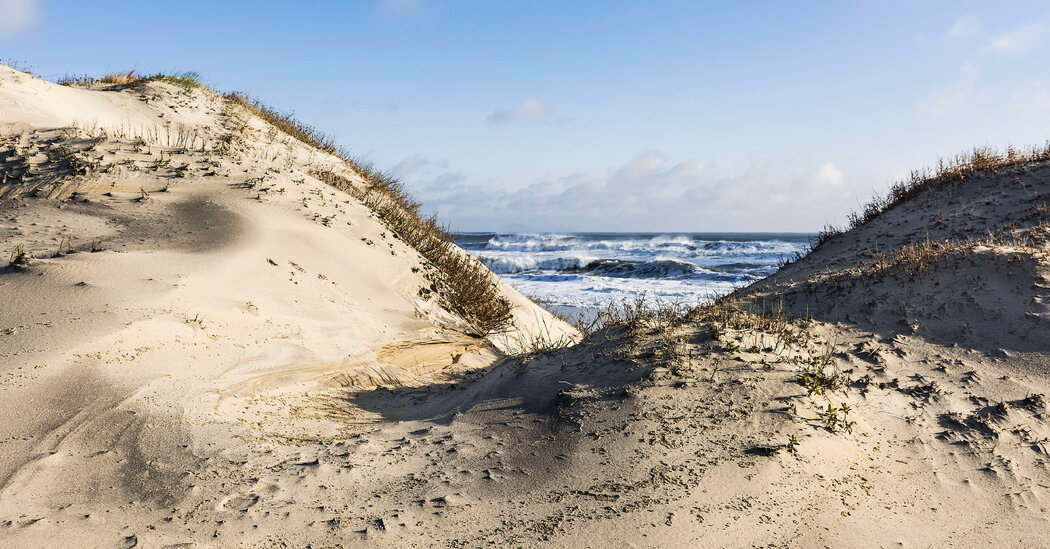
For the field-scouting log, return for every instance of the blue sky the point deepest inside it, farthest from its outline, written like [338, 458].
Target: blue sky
[633, 116]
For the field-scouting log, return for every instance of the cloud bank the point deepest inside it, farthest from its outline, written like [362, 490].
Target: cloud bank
[649, 192]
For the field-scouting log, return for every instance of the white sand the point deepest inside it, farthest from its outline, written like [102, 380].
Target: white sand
[237, 368]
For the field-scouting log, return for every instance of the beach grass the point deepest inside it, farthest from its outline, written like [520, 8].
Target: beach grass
[981, 160]
[187, 80]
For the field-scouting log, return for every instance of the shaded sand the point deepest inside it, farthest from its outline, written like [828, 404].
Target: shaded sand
[237, 368]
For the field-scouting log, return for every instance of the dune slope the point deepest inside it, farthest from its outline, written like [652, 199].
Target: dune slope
[178, 287]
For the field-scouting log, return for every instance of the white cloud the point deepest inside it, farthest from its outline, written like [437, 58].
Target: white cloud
[648, 192]
[17, 16]
[830, 174]
[530, 108]
[1020, 41]
[966, 25]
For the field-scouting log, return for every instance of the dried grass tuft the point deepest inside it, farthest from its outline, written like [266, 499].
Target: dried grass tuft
[948, 172]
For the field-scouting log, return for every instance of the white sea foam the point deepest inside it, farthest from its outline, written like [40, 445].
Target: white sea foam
[522, 262]
[593, 292]
[589, 270]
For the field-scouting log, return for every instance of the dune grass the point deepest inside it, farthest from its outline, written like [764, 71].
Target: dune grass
[187, 80]
[948, 172]
[18, 257]
[287, 123]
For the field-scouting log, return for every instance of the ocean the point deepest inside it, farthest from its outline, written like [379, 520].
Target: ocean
[577, 273]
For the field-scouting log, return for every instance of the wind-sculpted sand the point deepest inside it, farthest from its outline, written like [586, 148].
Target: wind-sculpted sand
[204, 345]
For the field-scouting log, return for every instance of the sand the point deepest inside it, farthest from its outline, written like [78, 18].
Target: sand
[246, 360]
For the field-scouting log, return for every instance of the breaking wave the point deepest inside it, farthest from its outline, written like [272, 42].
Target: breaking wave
[590, 270]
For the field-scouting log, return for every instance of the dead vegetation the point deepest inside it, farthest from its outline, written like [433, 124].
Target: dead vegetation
[287, 123]
[947, 172]
[917, 260]
[673, 334]
[542, 342]
[63, 163]
[921, 259]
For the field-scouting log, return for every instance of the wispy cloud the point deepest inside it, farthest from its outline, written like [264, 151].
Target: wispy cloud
[966, 25]
[17, 16]
[417, 164]
[969, 88]
[402, 7]
[530, 108]
[1032, 98]
[945, 98]
[1019, 42]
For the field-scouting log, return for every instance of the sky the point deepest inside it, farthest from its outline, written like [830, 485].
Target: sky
[599, 116]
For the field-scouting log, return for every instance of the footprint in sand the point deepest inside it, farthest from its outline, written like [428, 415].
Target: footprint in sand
[241, 503]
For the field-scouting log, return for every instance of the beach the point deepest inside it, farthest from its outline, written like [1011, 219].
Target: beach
[219, 331]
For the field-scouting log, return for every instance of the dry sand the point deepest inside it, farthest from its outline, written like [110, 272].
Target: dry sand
[247, 360]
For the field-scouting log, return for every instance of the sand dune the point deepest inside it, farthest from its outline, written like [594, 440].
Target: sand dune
[208, 346]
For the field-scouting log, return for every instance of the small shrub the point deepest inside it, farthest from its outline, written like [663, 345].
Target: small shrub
[838, 418]
[770, 450]
[820, 376]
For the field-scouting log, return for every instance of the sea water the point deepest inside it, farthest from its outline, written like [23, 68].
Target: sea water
[580, 272]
